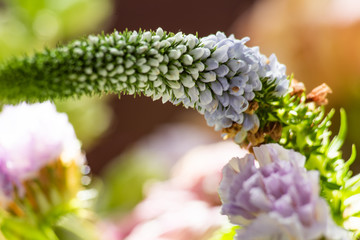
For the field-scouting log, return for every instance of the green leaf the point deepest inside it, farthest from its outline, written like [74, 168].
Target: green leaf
[225, 233]
[75, 228]
[329, 185]
[352, 181]
[20, 228]
[338, 140]
[352, 157]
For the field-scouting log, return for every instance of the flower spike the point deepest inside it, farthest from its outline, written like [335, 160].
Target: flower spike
[218, 75]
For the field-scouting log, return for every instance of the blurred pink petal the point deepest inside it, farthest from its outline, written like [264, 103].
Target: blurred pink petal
[199, 170]
[190, 220]
[185, 207]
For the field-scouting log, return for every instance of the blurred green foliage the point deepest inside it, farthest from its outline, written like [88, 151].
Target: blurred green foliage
[90, 116]
[124, 180]
[27, 25]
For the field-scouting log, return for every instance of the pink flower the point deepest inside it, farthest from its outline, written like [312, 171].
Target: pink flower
[199, 170]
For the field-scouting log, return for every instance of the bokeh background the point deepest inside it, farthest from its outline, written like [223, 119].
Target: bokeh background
[130, 141]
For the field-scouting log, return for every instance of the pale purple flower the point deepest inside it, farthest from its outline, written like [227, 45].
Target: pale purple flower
[7, 182]
[271, 226]
[239, 72]
[31, 136]
[277, 72]
[273, 196]
[191, 219]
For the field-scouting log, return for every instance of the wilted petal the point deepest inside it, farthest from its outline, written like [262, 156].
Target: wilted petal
[237, 103]
[240, 136]
[249, 96]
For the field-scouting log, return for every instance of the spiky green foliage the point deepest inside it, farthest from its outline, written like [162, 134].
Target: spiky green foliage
[49, 209]
[305, 128]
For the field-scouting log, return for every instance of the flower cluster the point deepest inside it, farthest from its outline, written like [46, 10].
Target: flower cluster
[240, 73]
[275, 197]
[31, 137]
[217, 75]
